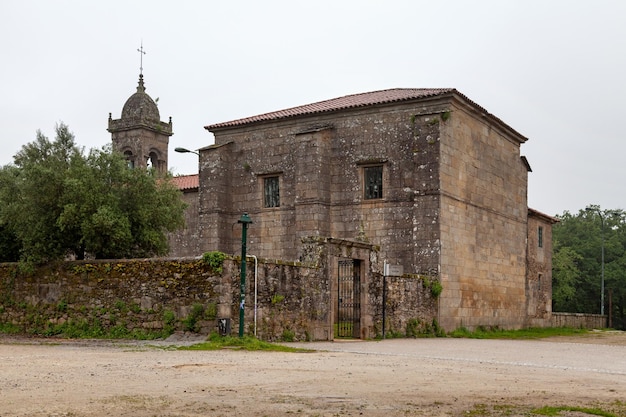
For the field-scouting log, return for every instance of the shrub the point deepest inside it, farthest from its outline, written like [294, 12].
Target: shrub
[215, 260]
[288, 335]
[191, 321]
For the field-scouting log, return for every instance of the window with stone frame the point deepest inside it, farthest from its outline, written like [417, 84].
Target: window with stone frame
[271, 191]
[373, 182]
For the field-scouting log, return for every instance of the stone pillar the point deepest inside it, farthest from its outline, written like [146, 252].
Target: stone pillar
[215, 198]
[312, 184]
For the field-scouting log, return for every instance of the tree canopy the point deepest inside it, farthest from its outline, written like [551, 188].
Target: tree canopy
[577, 262]
[57, 201]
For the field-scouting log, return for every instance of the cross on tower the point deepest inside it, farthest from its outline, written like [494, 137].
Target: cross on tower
[141, 54]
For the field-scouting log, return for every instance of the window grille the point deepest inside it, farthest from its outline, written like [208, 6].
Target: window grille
[373, 182]
[271, 192]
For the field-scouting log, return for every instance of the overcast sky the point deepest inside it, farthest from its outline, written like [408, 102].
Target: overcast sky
[553, 70]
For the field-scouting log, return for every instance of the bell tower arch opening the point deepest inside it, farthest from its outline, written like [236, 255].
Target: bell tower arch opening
[130, 158]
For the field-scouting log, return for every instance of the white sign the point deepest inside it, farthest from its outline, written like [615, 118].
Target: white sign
[393, 270]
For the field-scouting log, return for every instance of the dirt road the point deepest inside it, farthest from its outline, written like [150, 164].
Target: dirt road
[401, 377]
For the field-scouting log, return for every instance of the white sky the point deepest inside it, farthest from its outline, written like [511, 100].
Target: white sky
[553, 70]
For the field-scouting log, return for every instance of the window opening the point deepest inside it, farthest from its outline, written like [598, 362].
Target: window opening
[130, 161]
[271, 192]
[373, 182]
[540, 236]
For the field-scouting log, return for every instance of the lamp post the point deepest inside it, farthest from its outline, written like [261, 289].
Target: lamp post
[245, 221]
[185, 150]
[597, 210]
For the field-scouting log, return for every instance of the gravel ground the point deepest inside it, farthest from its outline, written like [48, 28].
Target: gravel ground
[399, 377]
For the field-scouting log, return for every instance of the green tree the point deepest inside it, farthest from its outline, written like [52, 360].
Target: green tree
[577, 262]
[57, 201]
[9, 246]
[566, 275]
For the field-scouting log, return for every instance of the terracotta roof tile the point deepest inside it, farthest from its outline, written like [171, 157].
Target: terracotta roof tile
[186, 182]
[345, 102]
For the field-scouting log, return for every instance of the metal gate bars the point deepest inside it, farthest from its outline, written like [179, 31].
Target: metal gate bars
[349, 299]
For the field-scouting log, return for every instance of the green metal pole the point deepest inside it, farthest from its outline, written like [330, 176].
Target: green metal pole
[245, 221]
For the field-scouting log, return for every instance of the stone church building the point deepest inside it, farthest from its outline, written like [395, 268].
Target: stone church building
[425, 180]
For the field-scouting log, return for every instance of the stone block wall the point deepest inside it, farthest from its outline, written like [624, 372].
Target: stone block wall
[293, 301]
[151, 295]
[411, 307]
[186, 242]
[320, 161]
[147, 295]
[483, 220]
[578, 320]
[539, 270]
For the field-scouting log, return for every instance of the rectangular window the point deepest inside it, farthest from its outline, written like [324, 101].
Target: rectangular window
[540, 236]
[373, 182]
[271, 192]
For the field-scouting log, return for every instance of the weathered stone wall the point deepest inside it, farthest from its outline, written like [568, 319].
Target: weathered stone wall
[293, 301]
[483, 223]
[320, 161]
[186, 241]
[135, 294]
[411, 307]
[218, 212]
[157, 293]
[539, 271]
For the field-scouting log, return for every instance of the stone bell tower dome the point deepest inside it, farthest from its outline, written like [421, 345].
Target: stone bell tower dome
[139, 133]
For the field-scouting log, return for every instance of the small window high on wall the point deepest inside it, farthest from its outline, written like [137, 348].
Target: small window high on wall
[540, 236]
[271, 192]
[373, 178]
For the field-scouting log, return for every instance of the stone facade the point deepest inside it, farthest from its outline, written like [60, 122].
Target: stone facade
[424, 179]
[482, 222]
[539, 270]
[453, 203]
[186, 241]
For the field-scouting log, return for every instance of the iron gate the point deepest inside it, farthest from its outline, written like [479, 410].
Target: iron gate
[349, 299]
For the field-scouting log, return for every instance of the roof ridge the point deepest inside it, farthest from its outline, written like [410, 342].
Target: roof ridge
[340, 103]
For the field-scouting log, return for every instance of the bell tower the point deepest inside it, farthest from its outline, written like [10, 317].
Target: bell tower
[140, 134]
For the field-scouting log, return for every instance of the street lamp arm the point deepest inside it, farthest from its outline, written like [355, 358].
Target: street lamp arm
[185, 150]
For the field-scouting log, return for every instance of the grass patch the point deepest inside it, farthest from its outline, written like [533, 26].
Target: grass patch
[216, 342]
[555, 411]
[530, 333]
[614, 409]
